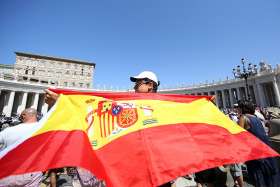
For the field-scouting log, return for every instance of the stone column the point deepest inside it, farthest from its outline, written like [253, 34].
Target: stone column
[276, 90]
[8, 106]
[257, 95]
[23, 103]
[218, 103]
[231, 98]
[44, 109]
[224, 99]
[246, 93]
[35, 101]
[238, 93]
[261, 95]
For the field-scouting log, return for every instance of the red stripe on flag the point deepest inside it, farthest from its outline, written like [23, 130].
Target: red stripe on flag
[100, 126]
[54, 149]
[89, 115]
[153, 156]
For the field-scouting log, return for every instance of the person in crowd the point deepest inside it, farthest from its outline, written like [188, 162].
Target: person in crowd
[53, 175]
[12, 135]
[145, 82]
[262, 118]
[235, 169]
[214, 177]
[236, 173]
[233, 116]
[262, 172]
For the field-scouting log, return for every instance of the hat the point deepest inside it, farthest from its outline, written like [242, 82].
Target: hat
[146, 75]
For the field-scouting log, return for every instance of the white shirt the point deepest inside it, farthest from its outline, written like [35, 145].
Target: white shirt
[11, 135]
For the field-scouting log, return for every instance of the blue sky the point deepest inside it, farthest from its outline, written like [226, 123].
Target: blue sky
[183, 41]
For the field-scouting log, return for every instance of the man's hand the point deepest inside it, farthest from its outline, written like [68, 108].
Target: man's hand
[50, 97]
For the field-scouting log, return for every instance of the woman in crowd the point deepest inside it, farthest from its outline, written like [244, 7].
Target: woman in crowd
[262, 172]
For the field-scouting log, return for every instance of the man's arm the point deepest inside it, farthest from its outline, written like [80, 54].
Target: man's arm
[50, 97]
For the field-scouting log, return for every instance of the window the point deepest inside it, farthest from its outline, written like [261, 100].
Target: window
[82, 71]
[50, 72]
[26, 71]
[65, 84]
[41, 72]
[33, 71]
[34, 80]
[81, 85]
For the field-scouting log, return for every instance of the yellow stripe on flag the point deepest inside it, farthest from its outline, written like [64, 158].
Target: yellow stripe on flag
[103, 125]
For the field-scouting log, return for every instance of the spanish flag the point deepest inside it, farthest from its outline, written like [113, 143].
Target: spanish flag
[131, 139]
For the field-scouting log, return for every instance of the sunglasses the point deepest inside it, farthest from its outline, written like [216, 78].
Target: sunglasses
[143, 81]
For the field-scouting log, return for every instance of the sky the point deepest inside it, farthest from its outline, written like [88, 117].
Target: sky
[184, 42]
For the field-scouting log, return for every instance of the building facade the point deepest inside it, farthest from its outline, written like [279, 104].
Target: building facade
[16, 96]
[263, 89]
[22, 84]
[53, 71]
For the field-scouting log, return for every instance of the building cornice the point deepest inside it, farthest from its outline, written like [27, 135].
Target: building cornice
[54, 58]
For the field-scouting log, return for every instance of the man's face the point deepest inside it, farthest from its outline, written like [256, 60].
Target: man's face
[143, 86]
[23, 117]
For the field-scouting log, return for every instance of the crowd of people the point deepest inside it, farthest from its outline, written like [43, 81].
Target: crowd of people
[261, 172]
[13, 120]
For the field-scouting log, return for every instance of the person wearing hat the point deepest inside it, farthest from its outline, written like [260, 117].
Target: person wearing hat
[145, 82]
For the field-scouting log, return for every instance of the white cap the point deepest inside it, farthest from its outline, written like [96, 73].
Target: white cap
[146, 75]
